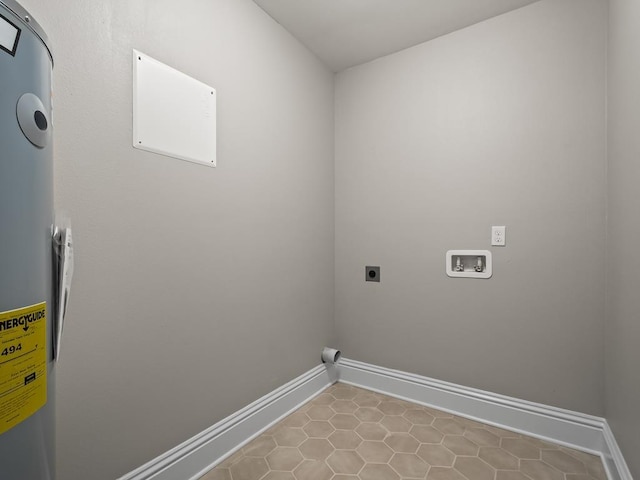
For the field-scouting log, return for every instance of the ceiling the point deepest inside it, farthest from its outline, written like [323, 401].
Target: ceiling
[344, 33]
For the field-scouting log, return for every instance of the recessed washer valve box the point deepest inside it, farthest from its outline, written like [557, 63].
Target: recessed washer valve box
[469, 264]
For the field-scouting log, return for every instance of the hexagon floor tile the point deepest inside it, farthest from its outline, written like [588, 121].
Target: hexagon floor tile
[351, 433]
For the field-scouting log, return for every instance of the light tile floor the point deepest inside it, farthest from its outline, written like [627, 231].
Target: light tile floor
[347, 433]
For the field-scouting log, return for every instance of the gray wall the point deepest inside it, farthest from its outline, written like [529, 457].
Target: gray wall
[502, 123]
[189, 278]
[197, 290]
[623, 302]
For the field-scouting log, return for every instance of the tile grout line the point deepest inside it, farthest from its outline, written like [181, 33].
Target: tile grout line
[400, 415]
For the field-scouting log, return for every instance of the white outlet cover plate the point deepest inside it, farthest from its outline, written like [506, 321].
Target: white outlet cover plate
[173, 113]
[498, 236]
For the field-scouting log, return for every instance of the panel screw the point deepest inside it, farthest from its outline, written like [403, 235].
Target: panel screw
[27, 18]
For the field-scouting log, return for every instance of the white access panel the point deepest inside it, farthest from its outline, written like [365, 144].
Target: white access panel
[173, 114]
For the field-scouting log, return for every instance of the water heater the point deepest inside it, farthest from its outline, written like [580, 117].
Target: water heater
[27, 307]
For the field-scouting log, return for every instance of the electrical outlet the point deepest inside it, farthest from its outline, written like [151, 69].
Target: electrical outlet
[498, 236]
[372, 274]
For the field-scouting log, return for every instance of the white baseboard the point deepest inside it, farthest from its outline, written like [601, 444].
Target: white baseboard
[583, 432]
[199, 454]
[196, 456]
[614, 462]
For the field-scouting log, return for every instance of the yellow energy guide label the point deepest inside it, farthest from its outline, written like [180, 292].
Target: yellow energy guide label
[23, 364]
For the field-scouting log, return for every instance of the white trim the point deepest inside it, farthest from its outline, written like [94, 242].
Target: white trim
[576, 430]
[193, 458]
[614, 462]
